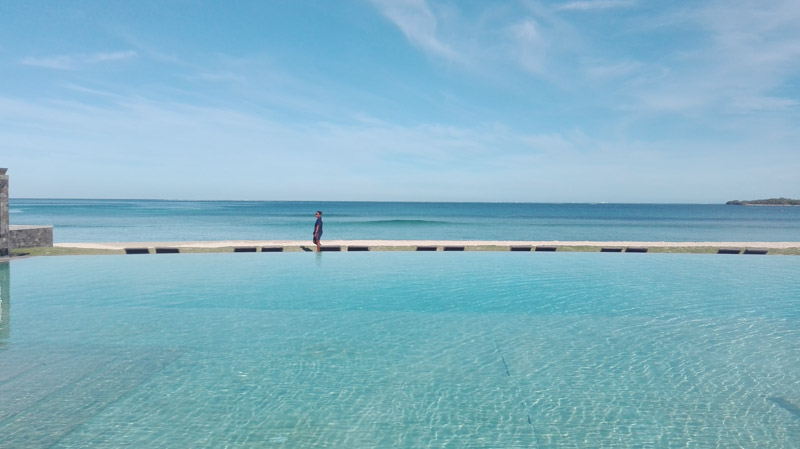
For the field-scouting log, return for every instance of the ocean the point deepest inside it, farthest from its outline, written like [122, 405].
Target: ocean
[158, 220]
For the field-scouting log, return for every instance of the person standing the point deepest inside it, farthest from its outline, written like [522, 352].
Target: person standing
[318, 230]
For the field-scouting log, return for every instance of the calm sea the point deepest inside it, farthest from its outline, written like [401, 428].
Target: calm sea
[154, 220]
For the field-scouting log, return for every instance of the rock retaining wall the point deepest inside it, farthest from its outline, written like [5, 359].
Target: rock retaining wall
[30, 236]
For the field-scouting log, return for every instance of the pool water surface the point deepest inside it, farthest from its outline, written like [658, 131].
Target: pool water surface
[408, 350]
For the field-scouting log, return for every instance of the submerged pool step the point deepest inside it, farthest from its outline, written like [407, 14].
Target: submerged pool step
[512, 248]
[137, 251]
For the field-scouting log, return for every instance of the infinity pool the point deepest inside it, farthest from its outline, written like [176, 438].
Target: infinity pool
[409, 350]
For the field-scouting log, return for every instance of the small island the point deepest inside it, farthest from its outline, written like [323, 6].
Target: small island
[766, 202]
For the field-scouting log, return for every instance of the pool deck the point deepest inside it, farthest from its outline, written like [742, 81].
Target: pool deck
[436, 245]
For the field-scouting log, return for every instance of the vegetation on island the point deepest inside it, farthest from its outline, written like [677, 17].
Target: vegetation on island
[766, 202]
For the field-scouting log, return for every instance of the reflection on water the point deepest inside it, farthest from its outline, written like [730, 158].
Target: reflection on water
[5, 302]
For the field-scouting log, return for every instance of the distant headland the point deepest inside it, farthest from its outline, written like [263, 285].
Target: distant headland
[767, 202]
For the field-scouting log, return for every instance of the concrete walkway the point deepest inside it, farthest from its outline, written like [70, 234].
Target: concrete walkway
[432, 245]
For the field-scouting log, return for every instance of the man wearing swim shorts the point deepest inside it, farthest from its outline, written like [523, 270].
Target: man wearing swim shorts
[318, 230]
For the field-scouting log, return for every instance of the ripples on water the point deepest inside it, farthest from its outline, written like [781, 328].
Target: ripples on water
[402, 350]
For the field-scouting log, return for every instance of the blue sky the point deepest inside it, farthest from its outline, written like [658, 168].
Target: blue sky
[421, 100]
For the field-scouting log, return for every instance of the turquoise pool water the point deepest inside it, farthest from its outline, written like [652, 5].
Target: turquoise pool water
[410, 350]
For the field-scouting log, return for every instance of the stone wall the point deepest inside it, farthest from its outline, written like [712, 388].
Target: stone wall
[30, 236]
[4, 237]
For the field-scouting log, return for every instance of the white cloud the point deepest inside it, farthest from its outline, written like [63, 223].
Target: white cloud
[526, 36]
[743, 57]
[596, 5]
[63, 62]
[418, 23]
[250, 156]
[750, 37]
[608, 71]
[530, 46]
[670, 100]
[751, 104]
[77, 61]
[220, 77]
[543, 44]
[526, 32]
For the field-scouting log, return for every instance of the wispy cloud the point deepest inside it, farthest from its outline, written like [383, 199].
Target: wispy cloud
[596, 5]
[530, 45]
[220, 77]
[77, 61]
[418, 23]
[763, 103]
[526, 36]
[541, 43]
[146, 47]
[744, 59]
[369, 160]
[612, 70]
